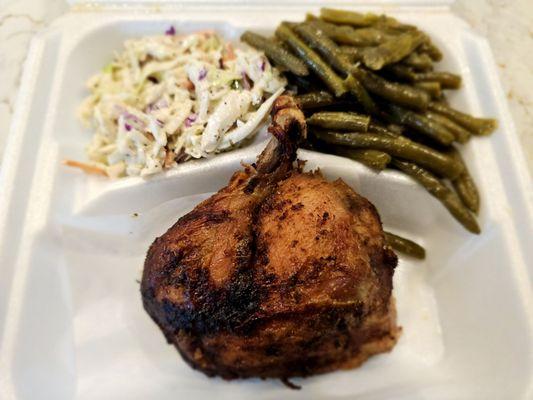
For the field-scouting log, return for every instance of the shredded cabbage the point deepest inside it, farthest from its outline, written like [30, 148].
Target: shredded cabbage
[168, 98]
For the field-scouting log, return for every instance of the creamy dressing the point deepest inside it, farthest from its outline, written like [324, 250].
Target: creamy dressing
[171, 96]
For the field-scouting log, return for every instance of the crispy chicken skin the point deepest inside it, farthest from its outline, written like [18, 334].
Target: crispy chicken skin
[279, 274]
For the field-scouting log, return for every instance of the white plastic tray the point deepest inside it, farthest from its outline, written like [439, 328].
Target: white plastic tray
[71, 248]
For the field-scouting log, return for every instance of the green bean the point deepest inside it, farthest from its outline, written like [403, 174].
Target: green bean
[315, 100]
[460, 133]
[364, 37]
[392, 50]
[446, 79]
[374, 159]
[357, 89]
[347, 121]
[381, 130]
[348, 17]
[418, 61]
[313, 61]
[465, 186]
[431, 50]
[353, 53]
[397, 129]
[347, 35]
[405, 246]
[397, 147]
[447, 197]
[392, 25]
[431, 88]
[478, 126]
[318, 41]
[286, 48]
[394, 92]
[276, 53]
[422, 124]
[401, 72]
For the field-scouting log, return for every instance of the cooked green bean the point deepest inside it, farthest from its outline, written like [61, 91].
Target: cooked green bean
[392, 50]
[312, 59]
[396, 93]
[333, 31]
[381, 130]
[348, 17]
[446, 79]
[397, 147]
[402, 72]
[405, 246]
[465, 186]
[431, 50]
[422, 125]
[392, 25]
[353, 53]
[347, 35]
[315, 100]
[363, 37]
[431, 88]
[357, 89]
[478, 126]
[317, 40]
[448, 198]
[277, 54]
[395, 128]
[374, 159]
[418, 61]
[460, 133]
[346, 121]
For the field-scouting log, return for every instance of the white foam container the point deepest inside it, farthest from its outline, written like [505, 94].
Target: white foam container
[71, 249]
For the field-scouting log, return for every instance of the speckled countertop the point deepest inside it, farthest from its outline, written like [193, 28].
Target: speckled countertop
[507, 24]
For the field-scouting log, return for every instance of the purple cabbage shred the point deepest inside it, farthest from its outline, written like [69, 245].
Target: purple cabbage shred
[245, 81]
[171, 31]
[190, 119]
[202, 74]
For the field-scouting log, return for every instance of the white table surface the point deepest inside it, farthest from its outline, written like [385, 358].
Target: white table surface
[507, 24]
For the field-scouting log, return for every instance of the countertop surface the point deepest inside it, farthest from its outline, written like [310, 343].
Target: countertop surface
[507, 24]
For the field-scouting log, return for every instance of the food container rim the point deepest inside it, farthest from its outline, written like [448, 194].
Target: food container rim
[151, 4]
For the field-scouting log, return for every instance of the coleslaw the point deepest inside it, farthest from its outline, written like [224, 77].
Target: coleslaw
[167, 98]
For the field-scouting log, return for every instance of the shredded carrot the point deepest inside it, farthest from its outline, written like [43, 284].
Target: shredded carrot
[229, 53]
[149, 136]
[187, 85]
[169, 159]
[87, 168]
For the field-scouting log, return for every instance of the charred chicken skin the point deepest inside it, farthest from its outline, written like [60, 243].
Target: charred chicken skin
[279, 274]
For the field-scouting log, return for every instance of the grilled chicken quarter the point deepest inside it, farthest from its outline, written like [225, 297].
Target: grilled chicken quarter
[279, 274]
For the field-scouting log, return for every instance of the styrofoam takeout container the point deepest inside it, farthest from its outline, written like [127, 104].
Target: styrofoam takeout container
[72, 246]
